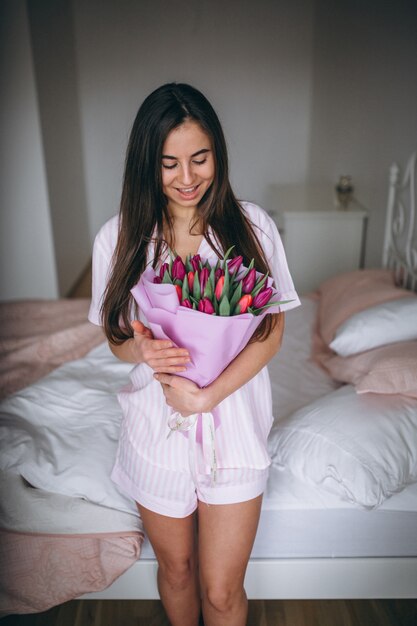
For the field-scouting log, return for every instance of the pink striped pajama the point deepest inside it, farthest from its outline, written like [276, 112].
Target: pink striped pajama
[168, 475]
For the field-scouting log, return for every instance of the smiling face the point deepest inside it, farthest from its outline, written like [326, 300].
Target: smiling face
[187, 168]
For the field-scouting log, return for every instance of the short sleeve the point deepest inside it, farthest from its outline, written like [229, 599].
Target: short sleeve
[103, 249]
[270, 240]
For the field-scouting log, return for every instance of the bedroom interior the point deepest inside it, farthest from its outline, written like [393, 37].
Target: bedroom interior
[337, 541]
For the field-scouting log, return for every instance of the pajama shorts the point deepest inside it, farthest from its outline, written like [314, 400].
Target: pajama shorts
[176, 493]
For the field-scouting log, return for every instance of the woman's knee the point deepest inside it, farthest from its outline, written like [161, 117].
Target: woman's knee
[178, 573]
[223, 598]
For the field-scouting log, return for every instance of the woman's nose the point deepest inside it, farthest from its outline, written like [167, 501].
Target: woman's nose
[187, 175]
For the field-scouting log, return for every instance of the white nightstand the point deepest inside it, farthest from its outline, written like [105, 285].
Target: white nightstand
[320, 239]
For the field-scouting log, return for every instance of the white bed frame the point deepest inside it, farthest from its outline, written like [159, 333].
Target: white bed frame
[323, 578]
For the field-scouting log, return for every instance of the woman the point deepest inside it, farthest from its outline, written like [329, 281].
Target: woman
[177, 196]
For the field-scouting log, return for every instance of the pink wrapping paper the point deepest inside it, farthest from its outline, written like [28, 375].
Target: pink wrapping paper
[213, 341]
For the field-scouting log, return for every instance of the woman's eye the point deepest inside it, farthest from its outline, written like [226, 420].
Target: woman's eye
[200, 162]
[169, 167]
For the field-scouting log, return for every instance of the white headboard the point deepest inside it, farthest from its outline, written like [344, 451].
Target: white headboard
[400, 243]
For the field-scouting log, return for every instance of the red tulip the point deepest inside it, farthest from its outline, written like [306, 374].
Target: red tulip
[179, 292]
[203, 276]
[205, 306]
[157, 280]
[178, 269]
[244, 303]
[187, 304]
[219, 288]
[248, 283]
[262, 298]
[190, 276]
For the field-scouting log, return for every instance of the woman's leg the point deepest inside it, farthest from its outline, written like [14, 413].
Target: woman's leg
[174, 543]
[226, 533]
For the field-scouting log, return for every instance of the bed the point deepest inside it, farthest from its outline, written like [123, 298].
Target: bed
[339, 517]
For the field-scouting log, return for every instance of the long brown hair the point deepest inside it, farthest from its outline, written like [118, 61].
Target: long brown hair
[143, 207]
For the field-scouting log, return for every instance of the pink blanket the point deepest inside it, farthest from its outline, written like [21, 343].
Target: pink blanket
[36, 336]
[38, 572]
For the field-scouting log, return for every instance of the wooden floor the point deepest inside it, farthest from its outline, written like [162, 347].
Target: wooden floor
[261, 613]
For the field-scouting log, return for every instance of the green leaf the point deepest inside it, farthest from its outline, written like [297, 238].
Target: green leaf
[188, 265]
[224, 306]
[216, 306]
[226, 256]
[208, 290]
[250, 266]
[259, 285]
[237, 294]
[185, 288]
[226, 285]
[212, 278]
[167, 279]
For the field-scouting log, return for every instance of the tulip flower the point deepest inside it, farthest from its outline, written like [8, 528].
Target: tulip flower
[164, 268]
[157, 280]
[203, 276]
[195, 262]
[187, 304]
[219, 288]
[219, 272]
[234, 264]
[205, 306]
[178, 269]
[179, 292]
[262, 298]
[248, 283]
[190, 276]
[243, 304]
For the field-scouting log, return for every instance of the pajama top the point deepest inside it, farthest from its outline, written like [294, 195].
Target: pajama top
[245, 416]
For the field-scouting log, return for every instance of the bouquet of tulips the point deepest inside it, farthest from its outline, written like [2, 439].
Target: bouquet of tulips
[212, 311]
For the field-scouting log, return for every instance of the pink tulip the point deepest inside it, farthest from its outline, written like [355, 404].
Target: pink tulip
[244, 303]
[178, 269]
[205, 306]
[219, 288]
[187, 304]
[234, 264]
[262, 298]
[164, 268]
[248, 283]
[195, 262]
[203, 276]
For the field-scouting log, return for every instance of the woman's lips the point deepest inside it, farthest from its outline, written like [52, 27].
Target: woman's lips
[188, 192]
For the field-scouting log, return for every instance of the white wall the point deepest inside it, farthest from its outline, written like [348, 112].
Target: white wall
[27, 263]
[364, 112]
[251, 59]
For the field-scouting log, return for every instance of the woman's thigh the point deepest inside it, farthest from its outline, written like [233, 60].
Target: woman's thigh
[226, 533]
[173, 539]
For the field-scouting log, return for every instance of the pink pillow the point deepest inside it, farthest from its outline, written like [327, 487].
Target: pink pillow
[349, 293]
[389, 369]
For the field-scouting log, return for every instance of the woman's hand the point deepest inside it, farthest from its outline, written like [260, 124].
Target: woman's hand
[184, 396]
[159, 354]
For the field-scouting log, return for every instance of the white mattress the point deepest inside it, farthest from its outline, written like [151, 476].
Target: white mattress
[297, 519]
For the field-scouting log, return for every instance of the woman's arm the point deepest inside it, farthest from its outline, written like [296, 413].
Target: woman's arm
[187, 398]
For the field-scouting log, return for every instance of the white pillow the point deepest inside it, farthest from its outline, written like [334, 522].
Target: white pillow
[379, 325]
[362, 448]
